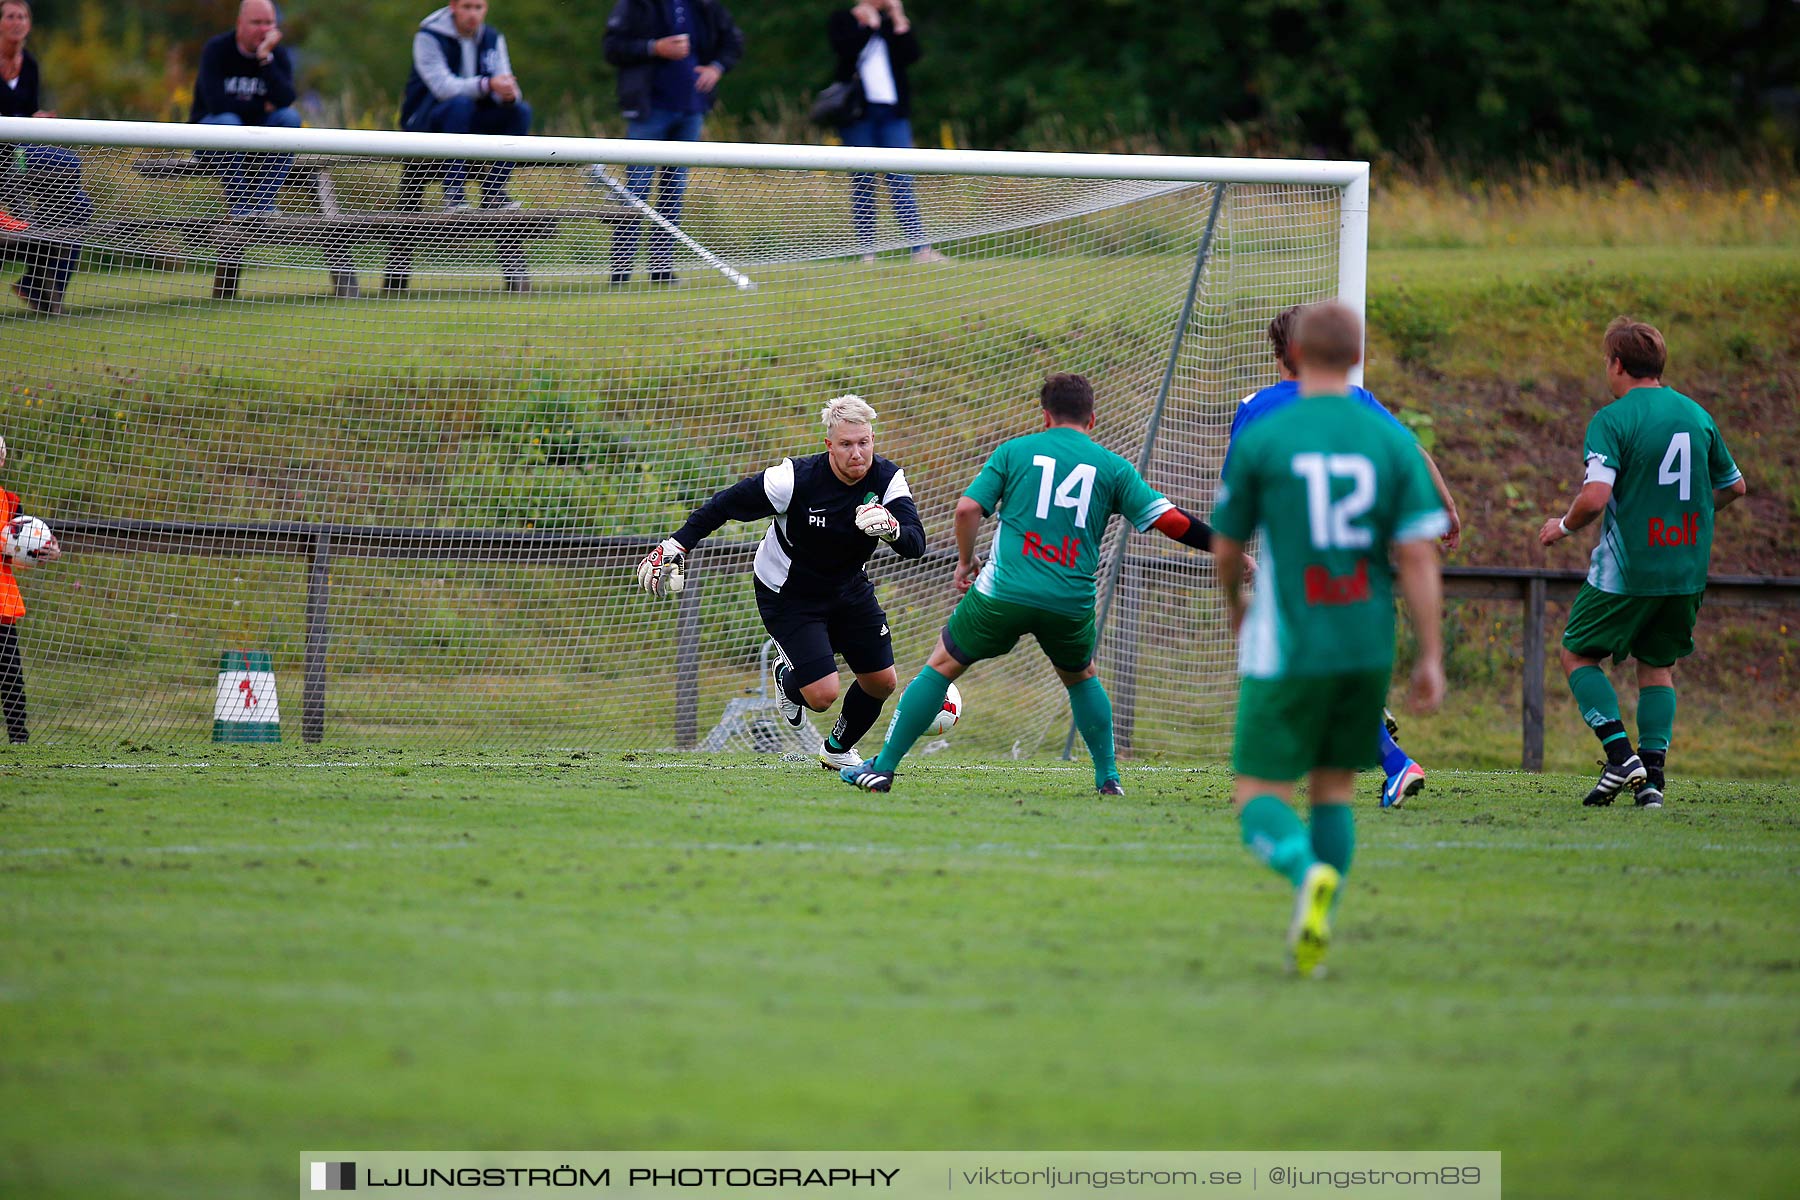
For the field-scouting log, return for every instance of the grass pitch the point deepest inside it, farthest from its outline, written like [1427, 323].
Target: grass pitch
[205, 970]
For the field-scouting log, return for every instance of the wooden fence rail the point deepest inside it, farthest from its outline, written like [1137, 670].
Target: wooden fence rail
[1533, 587]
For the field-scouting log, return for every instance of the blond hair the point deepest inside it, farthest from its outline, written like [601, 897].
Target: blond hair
[848, 409]
[1328, 336]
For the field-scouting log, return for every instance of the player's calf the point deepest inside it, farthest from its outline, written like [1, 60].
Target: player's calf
[1599, 706]
[821, 693]
[861, 709]
[787, 699]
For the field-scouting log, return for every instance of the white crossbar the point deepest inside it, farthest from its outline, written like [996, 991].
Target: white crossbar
[166, 136]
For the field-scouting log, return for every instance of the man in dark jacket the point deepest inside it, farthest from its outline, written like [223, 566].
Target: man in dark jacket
[246, 77]
[875, 44]
[462, 81]
[671, 55]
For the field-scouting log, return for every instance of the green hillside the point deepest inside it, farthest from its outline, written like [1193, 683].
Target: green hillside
[1488, 351]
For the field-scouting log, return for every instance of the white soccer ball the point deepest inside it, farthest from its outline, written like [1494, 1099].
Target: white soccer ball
[951, 713]
[25, 541]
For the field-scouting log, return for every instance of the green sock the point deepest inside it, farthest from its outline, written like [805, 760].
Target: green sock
[1656, 718]
[1334, 835]
[1094, 717]
[1274, 834]
[919, 706]
[1598, 702]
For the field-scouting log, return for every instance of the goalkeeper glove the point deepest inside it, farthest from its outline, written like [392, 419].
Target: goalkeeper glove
[659, 572]
[877, 522]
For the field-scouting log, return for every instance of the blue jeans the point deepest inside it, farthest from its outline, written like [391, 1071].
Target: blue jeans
[53, 177]
[661, 125]
[881, 127]
[252, 181]
[467, 114]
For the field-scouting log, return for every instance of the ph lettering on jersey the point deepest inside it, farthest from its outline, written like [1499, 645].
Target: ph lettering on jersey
[1684, 534]
[1068, 553]
[1324, 588]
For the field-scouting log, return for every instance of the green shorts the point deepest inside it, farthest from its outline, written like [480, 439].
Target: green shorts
[1655, 630]
[982, 627]
[1287, 727]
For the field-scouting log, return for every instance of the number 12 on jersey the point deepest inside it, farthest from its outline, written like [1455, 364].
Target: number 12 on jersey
[1332, 522]
[1076, 491]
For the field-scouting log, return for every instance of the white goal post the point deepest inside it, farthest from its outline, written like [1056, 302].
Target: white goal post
[280, 396]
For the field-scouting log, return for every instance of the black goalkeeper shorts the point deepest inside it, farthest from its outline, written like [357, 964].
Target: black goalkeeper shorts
[813, 632]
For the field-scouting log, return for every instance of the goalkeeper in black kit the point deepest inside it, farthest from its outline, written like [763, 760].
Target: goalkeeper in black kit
[830, 512]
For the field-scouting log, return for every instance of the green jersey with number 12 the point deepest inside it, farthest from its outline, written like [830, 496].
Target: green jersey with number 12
[1055, 491]
[1330, 486]
[1664, 458]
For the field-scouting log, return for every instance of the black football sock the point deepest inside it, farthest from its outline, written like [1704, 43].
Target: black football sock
[857, 716]
[790, 687]
[1614, 741]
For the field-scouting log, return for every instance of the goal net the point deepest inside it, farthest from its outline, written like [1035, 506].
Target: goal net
[370, 470]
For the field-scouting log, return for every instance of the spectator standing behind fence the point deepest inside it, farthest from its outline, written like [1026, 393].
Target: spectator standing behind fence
[246, 77]
[671, 55]
[462, 81]
[47, 178]
[875, 44]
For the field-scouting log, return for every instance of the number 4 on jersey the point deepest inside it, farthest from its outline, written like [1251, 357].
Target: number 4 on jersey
[1677, 465]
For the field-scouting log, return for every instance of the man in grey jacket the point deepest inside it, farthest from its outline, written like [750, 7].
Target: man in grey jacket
[462, 82]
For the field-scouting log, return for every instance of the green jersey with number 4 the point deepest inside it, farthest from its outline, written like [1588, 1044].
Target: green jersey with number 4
[1330, 486]
[1664, 458]
[1055, 491]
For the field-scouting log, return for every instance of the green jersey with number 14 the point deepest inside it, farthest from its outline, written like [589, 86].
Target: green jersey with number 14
[1055, 491]
[1664, 458]
[1330, 486]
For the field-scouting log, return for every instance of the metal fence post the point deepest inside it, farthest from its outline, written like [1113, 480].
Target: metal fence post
[687, 664]
[1111, 585]
[318, 640]
[1127, 629]
[1531, 686]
